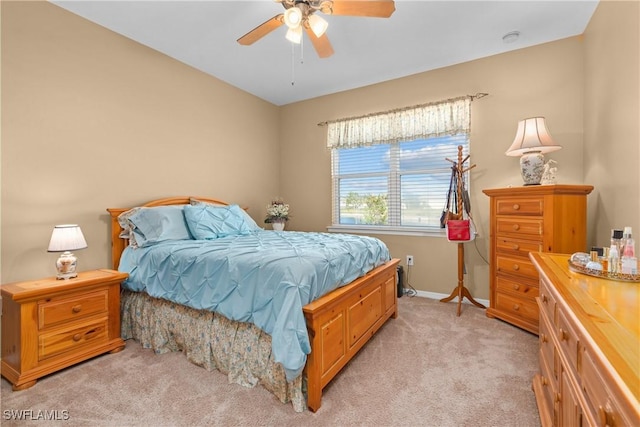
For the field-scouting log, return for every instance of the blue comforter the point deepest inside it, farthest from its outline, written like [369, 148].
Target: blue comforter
[265, 278]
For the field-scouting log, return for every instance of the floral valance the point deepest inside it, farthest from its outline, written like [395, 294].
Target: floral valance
[451, 117]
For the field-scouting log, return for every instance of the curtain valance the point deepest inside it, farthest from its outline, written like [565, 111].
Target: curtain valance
[443, 118]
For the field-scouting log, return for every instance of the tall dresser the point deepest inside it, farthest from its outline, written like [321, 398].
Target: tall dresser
[540, 218]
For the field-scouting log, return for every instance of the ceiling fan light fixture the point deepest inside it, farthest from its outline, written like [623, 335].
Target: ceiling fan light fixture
[293, 17]
[294, 35]
[318, 25]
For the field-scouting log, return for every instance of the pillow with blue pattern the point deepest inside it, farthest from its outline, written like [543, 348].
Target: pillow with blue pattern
[207, 222]
[150, 225]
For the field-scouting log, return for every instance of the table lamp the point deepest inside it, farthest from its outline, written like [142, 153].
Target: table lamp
[532, 141]
[66, 238]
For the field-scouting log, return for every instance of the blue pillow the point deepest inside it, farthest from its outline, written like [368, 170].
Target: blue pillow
[207, 222]
[158, 224]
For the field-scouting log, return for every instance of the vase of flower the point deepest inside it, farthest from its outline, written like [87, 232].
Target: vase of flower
[278, 226]
[277, 214]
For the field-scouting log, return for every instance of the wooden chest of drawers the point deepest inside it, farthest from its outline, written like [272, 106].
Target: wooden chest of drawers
[589, 348]
[50, 324]
[541, 218]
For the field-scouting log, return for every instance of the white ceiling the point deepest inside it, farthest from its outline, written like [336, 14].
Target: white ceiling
[419, 36]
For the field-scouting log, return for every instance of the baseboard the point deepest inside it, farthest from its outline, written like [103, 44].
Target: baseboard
[438, 296]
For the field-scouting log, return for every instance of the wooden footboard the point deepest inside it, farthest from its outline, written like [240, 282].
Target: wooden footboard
[341, 322]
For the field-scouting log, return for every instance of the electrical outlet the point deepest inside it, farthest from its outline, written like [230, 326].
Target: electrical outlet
[409, 260]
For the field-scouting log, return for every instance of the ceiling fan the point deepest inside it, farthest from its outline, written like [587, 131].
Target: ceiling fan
[301, 15]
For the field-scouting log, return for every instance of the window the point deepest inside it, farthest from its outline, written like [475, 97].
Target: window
[395, 182]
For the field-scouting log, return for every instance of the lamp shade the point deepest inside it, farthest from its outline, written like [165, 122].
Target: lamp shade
[293, 17]
[318, 25]
[532, 136]
[294, 35]
[66, 237]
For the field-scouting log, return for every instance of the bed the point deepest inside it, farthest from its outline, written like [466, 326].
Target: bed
[291, 332]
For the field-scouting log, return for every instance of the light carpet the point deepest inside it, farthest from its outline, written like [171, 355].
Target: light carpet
[428, 367]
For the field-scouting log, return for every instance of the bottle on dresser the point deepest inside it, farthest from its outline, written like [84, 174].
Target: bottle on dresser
[614, 251]
[628, 259]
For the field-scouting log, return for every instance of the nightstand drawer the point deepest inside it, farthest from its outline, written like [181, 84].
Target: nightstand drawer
[57, 311]
[519, 206]
[60, 341]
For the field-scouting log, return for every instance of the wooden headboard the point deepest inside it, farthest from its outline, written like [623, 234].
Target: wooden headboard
[118, 243]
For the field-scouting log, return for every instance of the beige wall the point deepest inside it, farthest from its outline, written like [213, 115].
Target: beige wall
[545, 80]
[586, 87]
[612, 117]
[92, 120]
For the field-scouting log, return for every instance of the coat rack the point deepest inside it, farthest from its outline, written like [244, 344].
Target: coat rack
[460, 291]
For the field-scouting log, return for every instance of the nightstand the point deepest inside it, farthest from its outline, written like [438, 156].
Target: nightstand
[50, 324]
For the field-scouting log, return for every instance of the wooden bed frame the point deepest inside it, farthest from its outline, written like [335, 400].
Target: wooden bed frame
[339, 323]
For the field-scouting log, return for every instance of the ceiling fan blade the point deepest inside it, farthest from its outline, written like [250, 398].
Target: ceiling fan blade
[373, 8]
[262, 30]
[321, 44]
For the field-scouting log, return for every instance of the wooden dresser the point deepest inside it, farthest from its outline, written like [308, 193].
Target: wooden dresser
[539, 218]
[589, 348]
[50, 324]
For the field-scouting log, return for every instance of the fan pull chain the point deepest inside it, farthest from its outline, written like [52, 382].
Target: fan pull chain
[293, 60]
[293, 64]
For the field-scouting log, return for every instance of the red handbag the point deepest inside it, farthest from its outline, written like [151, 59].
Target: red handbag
[458, 230]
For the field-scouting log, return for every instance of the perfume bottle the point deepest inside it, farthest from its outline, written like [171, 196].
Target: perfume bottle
[614, 258]
[594, 264]
[628, 258]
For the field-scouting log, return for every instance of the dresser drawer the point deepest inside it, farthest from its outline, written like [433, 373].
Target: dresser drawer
[519, 307]
[603, 405]
[547, 303]
[546, 345]
[519, 206]
[522, 289]
[517, 246]
[57, 311]
[568, 339]
[549, 380]
[69, 339]
[529, 227]
[518, 266]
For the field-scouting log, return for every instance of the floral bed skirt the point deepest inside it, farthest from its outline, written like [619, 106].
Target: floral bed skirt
[240, 350]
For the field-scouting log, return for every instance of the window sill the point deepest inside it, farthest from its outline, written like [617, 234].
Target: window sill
[398, 231]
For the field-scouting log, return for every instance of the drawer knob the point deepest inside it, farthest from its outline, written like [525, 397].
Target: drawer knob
[545, 381]
[544, 298]
[77, 308]
[516, 207]
[77, 337]
[564, 335]
[516, 247]
[516, 227]
[516, 307]
[605, 418]
[516, 287]
[557, 397]
[516, 267]
[543, 338]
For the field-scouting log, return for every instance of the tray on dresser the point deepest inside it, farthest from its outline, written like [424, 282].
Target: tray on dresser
[579, 268]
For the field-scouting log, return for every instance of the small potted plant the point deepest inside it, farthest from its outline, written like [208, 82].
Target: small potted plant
[277, 214]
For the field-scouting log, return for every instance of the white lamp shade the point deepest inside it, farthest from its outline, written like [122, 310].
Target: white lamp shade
[66, 237]
[317, 25]
[532, 136]
[293, 17]
[294, 35]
